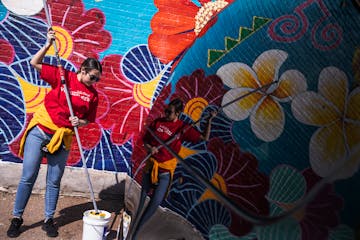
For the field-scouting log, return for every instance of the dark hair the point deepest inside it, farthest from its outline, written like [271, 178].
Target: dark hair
[91, 63]
[177, 103]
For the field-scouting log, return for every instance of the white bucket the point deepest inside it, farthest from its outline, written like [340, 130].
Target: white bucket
[95, 224]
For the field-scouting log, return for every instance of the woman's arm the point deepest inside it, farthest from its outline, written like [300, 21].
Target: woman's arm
[150, 149]
[147, 139]
[206, 134]
[36, 61]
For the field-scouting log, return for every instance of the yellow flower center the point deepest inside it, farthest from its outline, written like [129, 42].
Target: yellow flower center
[219, 182]
[143, 92]
[195, 107]
[33, 95]
[206, 12]
[64, 43]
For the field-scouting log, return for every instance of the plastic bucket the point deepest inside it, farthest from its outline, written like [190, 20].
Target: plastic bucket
[95, 224]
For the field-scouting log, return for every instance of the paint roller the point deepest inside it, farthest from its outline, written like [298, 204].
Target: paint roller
[66, 91]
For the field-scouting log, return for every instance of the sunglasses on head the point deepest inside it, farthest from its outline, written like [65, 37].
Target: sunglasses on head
[93, 78]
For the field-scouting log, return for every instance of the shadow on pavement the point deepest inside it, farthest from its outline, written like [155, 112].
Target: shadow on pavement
[111, 199]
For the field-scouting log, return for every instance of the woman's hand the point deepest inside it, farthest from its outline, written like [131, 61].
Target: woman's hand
[151, 149]
[36, 61]
[50, 37]
[205, 136]
[154, 150]
[75, 121]
[213, 114]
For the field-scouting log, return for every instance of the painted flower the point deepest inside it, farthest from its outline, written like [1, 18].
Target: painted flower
[196, 97]
[231, 171]
[322, 213]
[315, 221]
[106, 155]
[121, 113]
[178, 23]
[130, 85]
[79, 33]
[238, 177]
[7, 52]
[12, 107]
[335, 145]
[267, 116]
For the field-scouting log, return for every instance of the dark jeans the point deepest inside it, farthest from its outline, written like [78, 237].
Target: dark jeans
[158, 196]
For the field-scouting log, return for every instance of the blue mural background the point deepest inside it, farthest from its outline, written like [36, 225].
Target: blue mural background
[124, 19]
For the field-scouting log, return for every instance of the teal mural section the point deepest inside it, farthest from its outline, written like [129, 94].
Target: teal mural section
[284, 77]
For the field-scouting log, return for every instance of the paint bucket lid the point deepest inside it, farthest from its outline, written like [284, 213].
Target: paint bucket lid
[100, 214]
[95, 224]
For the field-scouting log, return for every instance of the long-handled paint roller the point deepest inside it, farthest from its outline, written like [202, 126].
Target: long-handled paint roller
[66, 91]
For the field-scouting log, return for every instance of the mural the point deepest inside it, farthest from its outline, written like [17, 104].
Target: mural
[283, 75]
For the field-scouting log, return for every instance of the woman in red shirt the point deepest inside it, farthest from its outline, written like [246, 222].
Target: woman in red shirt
[51, 128]
[161, 165]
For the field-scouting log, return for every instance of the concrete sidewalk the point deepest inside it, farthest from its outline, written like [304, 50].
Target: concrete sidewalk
[68, 216]
[112, 192]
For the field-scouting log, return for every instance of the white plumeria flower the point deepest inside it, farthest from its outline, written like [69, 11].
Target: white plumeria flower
[335, 146]
[267, 117]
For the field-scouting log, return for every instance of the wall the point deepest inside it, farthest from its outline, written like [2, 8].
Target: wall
[284, 76]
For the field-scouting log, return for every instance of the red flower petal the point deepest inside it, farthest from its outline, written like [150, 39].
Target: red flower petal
[7, 52]
[88, 36]
[246, 186]
[124, 115]
[168, 47]
[179, 7]
[167, 23]
[189, 87]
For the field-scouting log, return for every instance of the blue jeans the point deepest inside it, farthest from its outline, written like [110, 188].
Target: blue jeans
[158, 196]
[31, 165]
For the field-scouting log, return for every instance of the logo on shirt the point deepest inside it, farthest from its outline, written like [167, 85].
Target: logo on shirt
[164, 129]
[82, 95]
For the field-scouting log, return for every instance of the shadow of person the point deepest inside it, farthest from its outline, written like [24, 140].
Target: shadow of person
[110, 199]
[24, 228]
[67, 215]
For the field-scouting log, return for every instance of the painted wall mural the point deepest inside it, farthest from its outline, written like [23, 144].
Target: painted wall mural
[284, 76]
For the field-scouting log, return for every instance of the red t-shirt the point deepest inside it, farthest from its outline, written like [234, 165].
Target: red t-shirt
[84, 99]
[165, 130]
